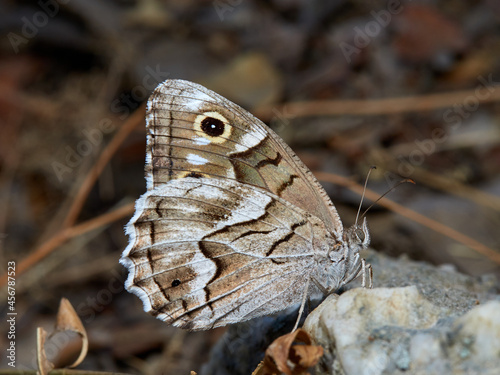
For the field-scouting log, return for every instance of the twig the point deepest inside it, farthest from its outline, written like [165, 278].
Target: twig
[66, 234]
[446, 184]
[40, 106]
[68, 230]
[412, 215]
[106, 155]
[375, 106]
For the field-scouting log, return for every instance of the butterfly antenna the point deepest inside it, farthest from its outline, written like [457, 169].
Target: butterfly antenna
[387, 192]
[363, 195]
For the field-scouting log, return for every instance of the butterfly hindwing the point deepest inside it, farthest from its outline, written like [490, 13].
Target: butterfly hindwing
[204, 251]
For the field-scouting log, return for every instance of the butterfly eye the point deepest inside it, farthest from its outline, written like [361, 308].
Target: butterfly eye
[360, 234]
[212, 126]
[176, 283]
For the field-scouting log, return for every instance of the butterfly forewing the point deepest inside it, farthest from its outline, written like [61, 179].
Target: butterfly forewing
[195, 132]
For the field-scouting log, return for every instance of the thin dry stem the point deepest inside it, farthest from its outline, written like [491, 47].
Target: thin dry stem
[106, 155]
[412, 215]
[373, 107]
[453, 187]
[68, 230]
[66, 234]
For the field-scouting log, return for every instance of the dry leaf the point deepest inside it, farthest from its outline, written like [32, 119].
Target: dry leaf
[67, 320]
[307, 355]
[44, 365]
[283, 357]
[259, 369]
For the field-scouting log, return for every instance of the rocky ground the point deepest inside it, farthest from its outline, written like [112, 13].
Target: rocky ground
[418, 319]
[409, 86]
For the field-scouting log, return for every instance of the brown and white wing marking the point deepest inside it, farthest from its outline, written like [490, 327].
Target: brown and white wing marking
[192, 131]
[208, 252]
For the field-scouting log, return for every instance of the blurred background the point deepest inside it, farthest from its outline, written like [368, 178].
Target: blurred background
[408, 86]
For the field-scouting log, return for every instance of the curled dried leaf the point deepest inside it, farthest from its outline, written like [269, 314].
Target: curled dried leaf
[259, 370]
[68, 320]
[284, 357]
[307, 355]
[44, 365]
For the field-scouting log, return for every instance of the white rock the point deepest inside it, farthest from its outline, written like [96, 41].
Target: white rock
[397, 330]
[351, 318]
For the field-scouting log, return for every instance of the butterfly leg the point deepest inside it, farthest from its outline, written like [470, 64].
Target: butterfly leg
[366, 268]
[301, 310]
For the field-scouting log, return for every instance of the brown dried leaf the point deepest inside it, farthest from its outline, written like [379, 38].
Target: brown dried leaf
[282, 357]
[307, 355]
[259, 370]
[44, 365]
[68, 320]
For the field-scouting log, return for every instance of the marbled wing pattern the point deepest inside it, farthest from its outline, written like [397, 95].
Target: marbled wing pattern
[233, 225]
[192, 131]
[207, 252]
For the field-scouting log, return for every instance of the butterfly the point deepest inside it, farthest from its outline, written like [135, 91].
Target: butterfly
[233, 225]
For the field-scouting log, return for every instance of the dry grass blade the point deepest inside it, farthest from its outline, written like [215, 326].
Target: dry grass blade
[106, 155]
[440, 182]
[68, 233]
[453, 187]
[376, 106]
[412, 215]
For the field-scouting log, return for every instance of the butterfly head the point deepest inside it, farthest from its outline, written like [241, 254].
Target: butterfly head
[357, 236]
[345, 263]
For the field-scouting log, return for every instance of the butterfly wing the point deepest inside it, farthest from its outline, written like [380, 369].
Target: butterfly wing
[192, 131]
[207, 252]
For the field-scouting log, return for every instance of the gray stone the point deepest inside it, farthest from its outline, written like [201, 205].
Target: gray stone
[419, 319]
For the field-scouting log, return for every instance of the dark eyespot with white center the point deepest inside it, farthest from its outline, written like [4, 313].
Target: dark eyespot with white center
[212, 126]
